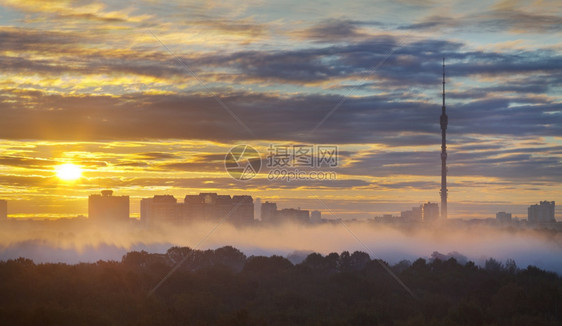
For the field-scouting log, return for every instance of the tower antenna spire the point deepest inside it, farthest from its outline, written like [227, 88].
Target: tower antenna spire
[444, 121]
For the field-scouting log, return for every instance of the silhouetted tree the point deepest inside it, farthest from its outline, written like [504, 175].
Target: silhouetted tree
[493, 265]
[223, 287]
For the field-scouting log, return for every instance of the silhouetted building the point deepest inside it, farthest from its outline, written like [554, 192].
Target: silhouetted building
[206, 207]
[257, 207]
[430, 212]
[160, 209]
[108, 208]
[3, 210]
[242, 211]
[385, 218]
[413, 215]
[315, 216]
[193, 208]
[214, 207]
[293, 215]
[503, 217]
[268, 212]
[541, 213]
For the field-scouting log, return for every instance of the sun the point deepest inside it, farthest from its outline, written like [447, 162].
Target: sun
[68, 172]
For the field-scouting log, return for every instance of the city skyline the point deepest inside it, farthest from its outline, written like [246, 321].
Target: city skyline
[106, 209]
[147, 102]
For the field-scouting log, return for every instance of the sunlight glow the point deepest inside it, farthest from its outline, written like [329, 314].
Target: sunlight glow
[68, 172]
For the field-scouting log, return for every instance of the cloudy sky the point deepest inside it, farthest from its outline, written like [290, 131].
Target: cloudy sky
[149, 97]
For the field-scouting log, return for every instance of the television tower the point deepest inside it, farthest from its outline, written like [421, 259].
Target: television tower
[444, 122]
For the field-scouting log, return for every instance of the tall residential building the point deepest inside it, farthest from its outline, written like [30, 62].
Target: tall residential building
[430, 212]
[268, 212]
[3, 210]
[214, 207]
[503, 217]
[293, 215]
[108, 208]
[316, 216]
[193, 208]
[242, 209]
[541, 213]
[257, 207]
[413, 215]
[160, 209]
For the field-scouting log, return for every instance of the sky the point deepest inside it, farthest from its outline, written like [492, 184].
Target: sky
[148, 98]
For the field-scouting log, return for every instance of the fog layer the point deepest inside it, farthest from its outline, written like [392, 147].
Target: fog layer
[78, 241]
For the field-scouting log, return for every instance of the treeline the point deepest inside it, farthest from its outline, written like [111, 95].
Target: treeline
[224, 287]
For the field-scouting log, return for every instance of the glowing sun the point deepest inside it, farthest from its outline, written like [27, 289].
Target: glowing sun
[68, 172]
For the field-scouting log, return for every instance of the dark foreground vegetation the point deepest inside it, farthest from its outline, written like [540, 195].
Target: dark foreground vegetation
[224, 287]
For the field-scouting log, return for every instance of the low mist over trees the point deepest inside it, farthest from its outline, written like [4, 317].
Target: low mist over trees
[224, 287]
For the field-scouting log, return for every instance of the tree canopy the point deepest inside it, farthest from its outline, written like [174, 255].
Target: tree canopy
[225, 287]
